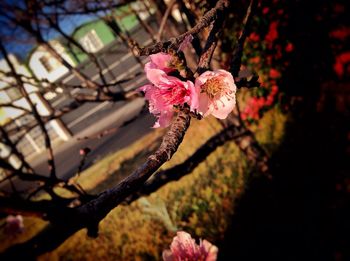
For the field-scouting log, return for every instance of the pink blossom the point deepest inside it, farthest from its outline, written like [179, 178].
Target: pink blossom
[14, 224]
[184, 248]
[217, 93]
[165, 92]
[161, 61]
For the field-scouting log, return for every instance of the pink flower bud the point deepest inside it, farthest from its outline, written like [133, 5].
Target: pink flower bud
[14, 224]
[84, 151]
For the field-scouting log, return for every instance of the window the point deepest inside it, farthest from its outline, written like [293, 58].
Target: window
[46, 63]
[13, 93]
[91, 42]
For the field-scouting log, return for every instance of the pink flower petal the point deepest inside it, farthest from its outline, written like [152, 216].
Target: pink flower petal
[183, 245]
[164, 119]
[194, 96]
[184, 248]
[204, 105]
[168, 255]
[211, 250]
[165, 92]
[161, 61]
[156, 76]
[223, 108]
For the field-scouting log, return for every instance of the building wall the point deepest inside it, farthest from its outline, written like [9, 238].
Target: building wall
[54, 68]
[98, 29]
[8, 95]
[130, 21]
[32, 141]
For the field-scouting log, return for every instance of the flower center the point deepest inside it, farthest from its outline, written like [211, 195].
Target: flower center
[214, 87]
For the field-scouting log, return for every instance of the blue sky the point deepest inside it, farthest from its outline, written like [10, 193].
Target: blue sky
[16, 41]
[21, 47]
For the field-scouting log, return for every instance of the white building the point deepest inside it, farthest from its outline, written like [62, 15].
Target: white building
[45, 66]
[10, 94]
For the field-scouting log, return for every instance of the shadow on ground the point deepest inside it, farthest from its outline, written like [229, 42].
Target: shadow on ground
[301, 213]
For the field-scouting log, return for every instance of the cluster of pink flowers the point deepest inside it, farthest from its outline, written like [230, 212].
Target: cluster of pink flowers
[213, 92]
[184, 248]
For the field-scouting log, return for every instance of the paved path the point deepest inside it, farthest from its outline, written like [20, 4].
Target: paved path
[92, 118]
[119, 64]
[67, 156]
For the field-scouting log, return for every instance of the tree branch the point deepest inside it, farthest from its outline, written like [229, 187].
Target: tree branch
[164, 19]
[161, 178]
[173, 43]
[238, 52]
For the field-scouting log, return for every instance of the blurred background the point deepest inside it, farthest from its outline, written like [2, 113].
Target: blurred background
[66, 67]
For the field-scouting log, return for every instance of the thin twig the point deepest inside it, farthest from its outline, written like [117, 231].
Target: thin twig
[164, 19]
[212, 41]
[51, 161]
[11, 105]
[238, 52]
[210, 16]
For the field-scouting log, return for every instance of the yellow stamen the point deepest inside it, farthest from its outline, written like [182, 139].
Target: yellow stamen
[214, 87]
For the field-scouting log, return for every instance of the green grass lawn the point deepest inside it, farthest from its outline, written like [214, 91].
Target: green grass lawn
[201, 203]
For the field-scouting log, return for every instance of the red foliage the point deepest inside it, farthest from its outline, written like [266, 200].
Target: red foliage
[340, 33]
[274, 74]
[256, 105]
[255, 59]
[289, 47]
[267, 96]
[340, 61]
[272, 34]
[265, 10]
[339, 8]
[254, 37]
